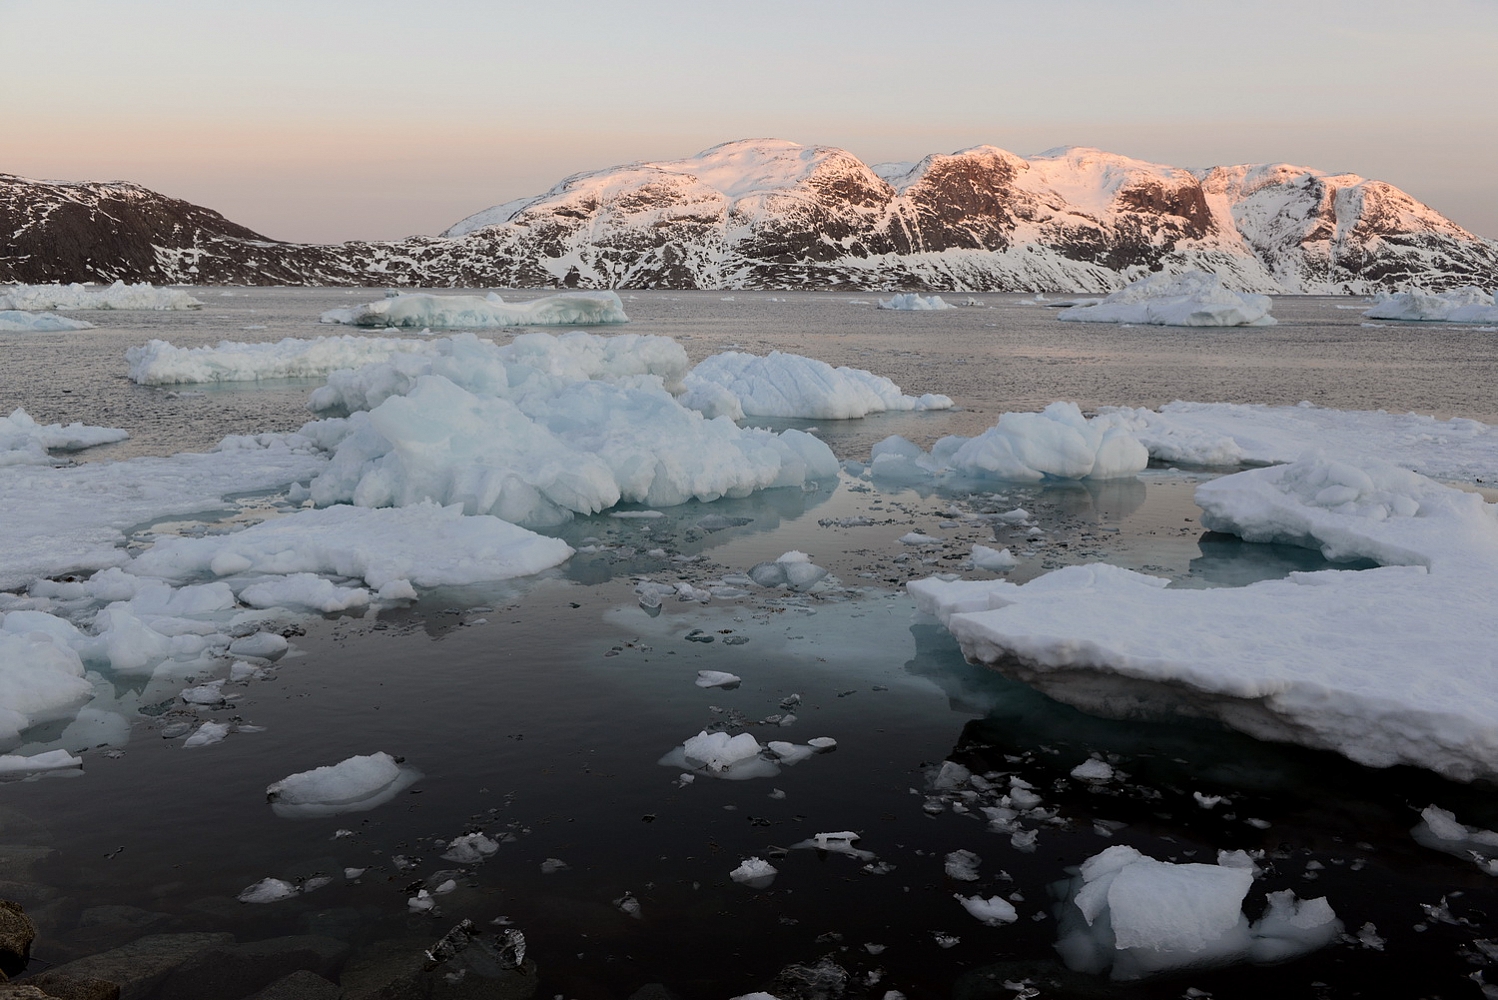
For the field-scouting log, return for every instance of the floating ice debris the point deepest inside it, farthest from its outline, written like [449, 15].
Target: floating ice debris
[736, 385]
[1461, 305]
[19, 321]
[75, 297]
[454, 311]
[918, 538]
[1093, 771]
[207, 734]
[648, 515]
[794, 570]
[723, 756]
[755, 873]
[23, 441]
[1439, 829]
[962, 866]
[628, 905]
[161, 363]
[1207, 801]
[993, 560]
[1132, 916]
[470, 848]
[911, 302]
[993, 911]
[357, 784]
[836, 843]
[209, 694]
[822, 744]
[553, 865]
[945, 940]
[1368, 937]
[267, 890]
[261, 645]
[1240, 859]
[444, 887]
[717, 679]
[353, 873]
[41, 676]
[1194, 298]
[304, 592]
[49, 760]
[422, 902]
[1056, 443]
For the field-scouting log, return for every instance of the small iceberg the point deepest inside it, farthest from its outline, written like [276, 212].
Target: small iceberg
[1195, 298]
[19, 321]
[357, 784]
[445, 312]
[1463, 305]
[911, 302]
[75, 296]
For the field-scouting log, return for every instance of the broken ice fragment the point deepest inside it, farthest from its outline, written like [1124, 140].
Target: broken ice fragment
[628, 905]
[267, 890]
[993, 911]
[718, 679]
[755, 873]
[470, 849]
[356, 784]
[962, 866]
[1093, 771]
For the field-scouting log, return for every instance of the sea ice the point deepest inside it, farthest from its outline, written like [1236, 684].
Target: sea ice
[755, 873]
[161, 363]
[1462, 305]
[717, 679]
[911, 302]
[1093, 771]
[1056, 443]
[23, 441]
[1439, 830]
[19, 321]
[304, 592]
[789, 385]
[268, 890]
[1193, 298]
[442, 312]
[1386, 666]
[993, 911]
[41, 676]
[993, 560]
[50, 760]
[470, 849]
[75, 296]
[793, 569]
[356, 784]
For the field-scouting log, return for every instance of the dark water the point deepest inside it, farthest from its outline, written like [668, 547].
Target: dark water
[539, 710]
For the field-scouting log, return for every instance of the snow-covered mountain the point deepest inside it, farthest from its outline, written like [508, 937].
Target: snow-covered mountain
[767, 213]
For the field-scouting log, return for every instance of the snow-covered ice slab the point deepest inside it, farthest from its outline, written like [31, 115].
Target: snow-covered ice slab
[357, 784]
[75, 296]
[23, 441]
[911, 302]
[1194, 298]
[446, 312]
[1057, 443]
[423, 544]
[1455, 450]
[1463, 305]
[1387, 666]
[19, 321]
[736, 385]
[161, 363]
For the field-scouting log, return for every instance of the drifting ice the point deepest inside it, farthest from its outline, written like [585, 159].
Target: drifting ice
[17, 321]
[1464, 305]
[23, 441]
[357, 784]
[1194, 298]
[911, 302]
[789, 385]
[161, 363]
[75, 296]
[444, 312]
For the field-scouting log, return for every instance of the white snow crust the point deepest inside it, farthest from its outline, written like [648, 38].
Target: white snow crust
[18, 321]
[1194, 298]
[23, 441]
[445, 312]
[735, 385]
[356, 784]
[911, 302]
[76, 297]
[1386, 666]
[1057, 443]
[161, 363]
[1462, 305]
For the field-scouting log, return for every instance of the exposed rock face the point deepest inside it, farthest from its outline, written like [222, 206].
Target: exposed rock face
[16, 934]
[771, 214]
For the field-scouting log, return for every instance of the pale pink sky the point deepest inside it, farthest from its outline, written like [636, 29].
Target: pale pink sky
[326, 121]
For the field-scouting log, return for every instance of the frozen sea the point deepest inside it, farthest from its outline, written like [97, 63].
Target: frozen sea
[537, 712]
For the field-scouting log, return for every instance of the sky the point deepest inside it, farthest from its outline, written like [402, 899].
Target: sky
[319, 121]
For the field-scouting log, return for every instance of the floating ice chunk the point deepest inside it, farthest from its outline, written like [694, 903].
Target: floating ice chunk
[822, 744]
[628, 905]
[18, 321]
[553, 865]
[962, 866]
[49, 760]
[918, 538]
[717, 679]
[23, 441]
[268, 890]
[1093, 771]
[1293, 927]
[261, 645]
[304, 591]
[1461, 305]
[470, 849]
[75, 296]
[357, 784]
[794, 570]
[422, 902]
[1194, 298]
[453, 311]
[911, 302]
[1239, 859]
[207, 734]
[209, 694]
[41, 676]
[1439, 829]
[755, 873]
[734, 384]
[993, 560]
[161, 363]
[718, 751]
[993, 911]
[840, 842]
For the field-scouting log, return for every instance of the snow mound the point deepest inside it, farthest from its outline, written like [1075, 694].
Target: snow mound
[23, 441]
[1463, 305]
[911, 302]
[75, 296]
[1194, 298]
[161, 363]
[446, 312]
[789, 385]
[1132, 916]
[17, 321]
[357, 784]
[1057, 443]
[427, 545]
[1235, 434]
[1386, 666]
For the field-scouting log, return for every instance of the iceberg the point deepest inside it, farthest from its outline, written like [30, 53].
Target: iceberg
[23, 441]
[75, 296]
[1057, 443]
[1194, 298]
[357, 784]
[736, 385]
[911, 302]
[1386, 666]
[161, 363]
[1463, 305]
[19, 321]
[445, 312]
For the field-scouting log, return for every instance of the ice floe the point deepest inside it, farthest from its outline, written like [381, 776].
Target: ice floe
[23, 441]
[19, 321]
[41, 676]
[49, 760]
[735, 385]
[993, 560]
[75, 296]
[793, 570]
[1439, 830]
[161, 363]
[994, 911]
[756, 873]
[911, 302]
[443, 312]
[1462, 305]
[1056, 443]
[1131, 916]
[355, 784]
[1193, 298]
[734, 758]
[1386, 666]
